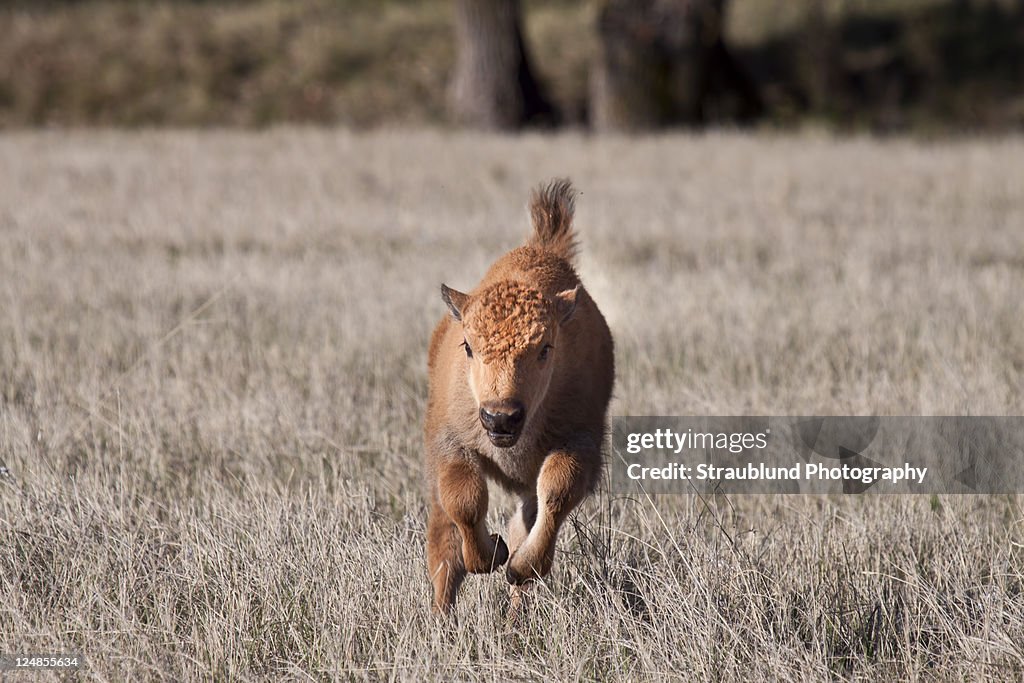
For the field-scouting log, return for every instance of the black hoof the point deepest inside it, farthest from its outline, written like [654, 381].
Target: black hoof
[500, 552]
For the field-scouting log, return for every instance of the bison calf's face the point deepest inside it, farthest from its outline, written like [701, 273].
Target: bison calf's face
[510, 333]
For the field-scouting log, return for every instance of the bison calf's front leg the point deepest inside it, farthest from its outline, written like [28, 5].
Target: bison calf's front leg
[564, 481]
[462, 491]
[457, 538]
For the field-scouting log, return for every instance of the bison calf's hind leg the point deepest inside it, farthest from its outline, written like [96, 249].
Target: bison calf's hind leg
[521, 522]
[444, 557]
[564, 481]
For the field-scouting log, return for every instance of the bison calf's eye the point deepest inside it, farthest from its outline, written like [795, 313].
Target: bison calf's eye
[469, 351]
[544, 352]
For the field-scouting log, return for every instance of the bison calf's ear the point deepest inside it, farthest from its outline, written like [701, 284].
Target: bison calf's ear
[455, 300]
[565, 303]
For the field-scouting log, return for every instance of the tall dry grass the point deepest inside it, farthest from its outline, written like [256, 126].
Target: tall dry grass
[212, 351]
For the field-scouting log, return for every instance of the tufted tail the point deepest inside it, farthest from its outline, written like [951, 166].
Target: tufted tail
[551, 210]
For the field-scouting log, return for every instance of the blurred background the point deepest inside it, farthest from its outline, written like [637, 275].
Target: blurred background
[880, 65]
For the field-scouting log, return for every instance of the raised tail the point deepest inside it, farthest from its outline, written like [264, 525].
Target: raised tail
[551, 210]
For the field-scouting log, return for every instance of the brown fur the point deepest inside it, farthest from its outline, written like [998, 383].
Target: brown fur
[538, 341]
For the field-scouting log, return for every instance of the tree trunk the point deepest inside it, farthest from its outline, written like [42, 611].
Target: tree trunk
[493, 85]
[660, 61]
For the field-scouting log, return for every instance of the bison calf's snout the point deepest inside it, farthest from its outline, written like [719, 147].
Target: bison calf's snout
[503, 421]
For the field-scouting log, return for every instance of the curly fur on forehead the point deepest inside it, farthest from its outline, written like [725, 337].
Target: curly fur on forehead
[508, 317]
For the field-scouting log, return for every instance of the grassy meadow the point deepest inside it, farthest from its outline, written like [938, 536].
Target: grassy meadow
[212, 377]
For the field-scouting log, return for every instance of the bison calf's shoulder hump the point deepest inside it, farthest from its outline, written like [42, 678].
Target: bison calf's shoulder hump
[521, 372]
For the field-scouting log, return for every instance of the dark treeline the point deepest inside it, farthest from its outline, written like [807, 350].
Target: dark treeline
[662, 63]
[509, 64]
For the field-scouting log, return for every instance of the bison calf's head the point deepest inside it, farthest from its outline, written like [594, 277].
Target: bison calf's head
[510, 339]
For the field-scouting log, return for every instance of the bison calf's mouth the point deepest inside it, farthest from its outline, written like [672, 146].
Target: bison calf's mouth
[503, 422]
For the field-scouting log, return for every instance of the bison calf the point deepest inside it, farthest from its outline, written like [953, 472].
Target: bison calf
[521, 373]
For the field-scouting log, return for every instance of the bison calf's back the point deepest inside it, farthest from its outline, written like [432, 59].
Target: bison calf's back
[521, 372]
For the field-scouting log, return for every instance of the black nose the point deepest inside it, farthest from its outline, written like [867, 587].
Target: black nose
[503, 417]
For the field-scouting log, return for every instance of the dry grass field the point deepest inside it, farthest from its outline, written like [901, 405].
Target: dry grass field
[212, 375]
